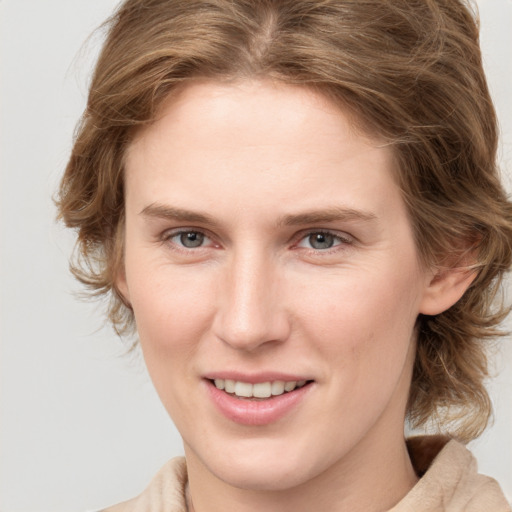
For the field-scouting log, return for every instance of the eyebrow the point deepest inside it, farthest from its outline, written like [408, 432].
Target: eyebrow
[325, 215]
[161, 211]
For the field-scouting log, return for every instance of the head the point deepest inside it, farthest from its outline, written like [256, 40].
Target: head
[406, 74]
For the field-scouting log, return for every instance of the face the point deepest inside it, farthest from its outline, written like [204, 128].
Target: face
[275, 283]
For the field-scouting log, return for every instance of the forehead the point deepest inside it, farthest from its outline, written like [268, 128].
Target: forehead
[258, 107]
[252, 138]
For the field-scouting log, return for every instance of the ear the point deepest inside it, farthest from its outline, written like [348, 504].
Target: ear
[445, 287]
[121, 286]
[120, 283]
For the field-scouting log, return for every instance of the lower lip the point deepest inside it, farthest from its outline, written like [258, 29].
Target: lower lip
[256, 412]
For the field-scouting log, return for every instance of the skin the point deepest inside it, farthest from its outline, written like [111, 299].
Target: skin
[243, 166]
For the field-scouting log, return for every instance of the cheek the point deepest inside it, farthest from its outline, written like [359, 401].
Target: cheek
[359, 306]
[172, 314]
[363, 326]
[172, 319]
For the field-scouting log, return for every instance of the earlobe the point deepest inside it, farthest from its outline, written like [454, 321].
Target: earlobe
[445, 288]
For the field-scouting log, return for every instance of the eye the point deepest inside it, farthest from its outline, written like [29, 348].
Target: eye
[322, 240]
[188, 239]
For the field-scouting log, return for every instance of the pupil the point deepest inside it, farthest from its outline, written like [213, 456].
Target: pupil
[191, 239]
[321, 240]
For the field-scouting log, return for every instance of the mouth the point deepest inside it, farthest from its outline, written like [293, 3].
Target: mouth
[257, 391]
[257, 403]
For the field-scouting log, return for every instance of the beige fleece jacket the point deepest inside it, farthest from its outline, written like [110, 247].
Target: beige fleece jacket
[448, 482]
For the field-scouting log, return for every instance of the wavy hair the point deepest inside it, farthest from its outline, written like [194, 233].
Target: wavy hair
[409, 70]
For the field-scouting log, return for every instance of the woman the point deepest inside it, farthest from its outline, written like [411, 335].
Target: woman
[296, 203]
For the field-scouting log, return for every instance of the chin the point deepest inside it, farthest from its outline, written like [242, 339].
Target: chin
[262, 477]
[267, 466]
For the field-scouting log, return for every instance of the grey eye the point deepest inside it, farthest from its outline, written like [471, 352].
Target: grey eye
[321, 240]
[191, 239]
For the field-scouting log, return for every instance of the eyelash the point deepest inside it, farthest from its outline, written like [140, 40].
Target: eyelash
[341, 241]
[169, 235]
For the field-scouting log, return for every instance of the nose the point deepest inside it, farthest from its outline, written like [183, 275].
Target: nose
[251, 312]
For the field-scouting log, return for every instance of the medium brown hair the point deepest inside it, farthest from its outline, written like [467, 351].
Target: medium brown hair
[410, 70]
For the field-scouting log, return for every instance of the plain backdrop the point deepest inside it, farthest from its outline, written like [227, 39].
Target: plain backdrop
[81, 426]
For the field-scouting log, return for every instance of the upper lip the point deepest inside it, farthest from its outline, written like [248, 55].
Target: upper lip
[255, 378]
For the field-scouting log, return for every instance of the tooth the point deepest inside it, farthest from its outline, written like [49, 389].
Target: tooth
[262, 390]
[277, 387]
[290, 386]
[229, 386]
[243, 389]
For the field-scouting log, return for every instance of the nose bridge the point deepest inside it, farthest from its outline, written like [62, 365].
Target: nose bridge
[251, 312]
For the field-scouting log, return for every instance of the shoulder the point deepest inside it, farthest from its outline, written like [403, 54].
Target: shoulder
[166, 491]
[449, 480]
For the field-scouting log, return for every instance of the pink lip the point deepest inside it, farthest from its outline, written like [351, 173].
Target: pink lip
[256, 412]
[255, 378]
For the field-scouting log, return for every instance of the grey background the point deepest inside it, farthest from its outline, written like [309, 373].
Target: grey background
[80, 425]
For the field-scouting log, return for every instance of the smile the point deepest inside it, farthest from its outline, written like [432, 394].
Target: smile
[259, 390]
[257, 403]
